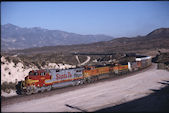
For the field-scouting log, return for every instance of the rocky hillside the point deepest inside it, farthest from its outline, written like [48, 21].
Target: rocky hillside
[162, 32]
[15, 37]
[15, 69]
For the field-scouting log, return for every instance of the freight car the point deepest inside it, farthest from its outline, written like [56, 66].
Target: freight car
[46, 79]
[143, 62]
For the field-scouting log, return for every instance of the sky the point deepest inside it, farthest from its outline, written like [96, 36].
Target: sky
[113, 18]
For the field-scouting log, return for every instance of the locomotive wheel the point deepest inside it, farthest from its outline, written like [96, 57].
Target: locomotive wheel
[23, 93]
[29, 91]
[74, 83]
[90, 80]
[81, 81]
[42, 89]
[35, 89]
[84, 81]
[95, 79]
[78, 83]
[49, 88]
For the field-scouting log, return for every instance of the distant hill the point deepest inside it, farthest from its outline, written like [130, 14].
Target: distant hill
[157, 39]
[15, 37]
[162, 32]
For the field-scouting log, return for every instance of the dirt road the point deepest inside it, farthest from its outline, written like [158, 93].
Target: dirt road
[87, 60]
[90, 97]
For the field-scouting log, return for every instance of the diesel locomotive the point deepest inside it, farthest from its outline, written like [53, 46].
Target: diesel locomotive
[46, 79]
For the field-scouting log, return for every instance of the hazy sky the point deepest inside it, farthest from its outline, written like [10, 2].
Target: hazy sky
[114, 18]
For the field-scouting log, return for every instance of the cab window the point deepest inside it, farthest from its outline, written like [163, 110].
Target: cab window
[42, 74]
[31, 73]
[35, 73]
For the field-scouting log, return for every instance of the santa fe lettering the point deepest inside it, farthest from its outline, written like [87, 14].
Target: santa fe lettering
[64, 76]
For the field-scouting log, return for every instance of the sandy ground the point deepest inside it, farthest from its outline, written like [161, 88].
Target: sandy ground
[12, 93]
[96, 96]
[155, 102]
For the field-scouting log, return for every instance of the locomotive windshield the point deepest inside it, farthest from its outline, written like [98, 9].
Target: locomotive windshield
[42, 74]
[33, 73]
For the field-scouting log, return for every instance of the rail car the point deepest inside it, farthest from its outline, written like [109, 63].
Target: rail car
[46, 79]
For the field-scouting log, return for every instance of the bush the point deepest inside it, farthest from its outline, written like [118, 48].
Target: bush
[6, 68]
[15, 61]
[6, 86]
[2, 62]
[8, 59]
[43, 64]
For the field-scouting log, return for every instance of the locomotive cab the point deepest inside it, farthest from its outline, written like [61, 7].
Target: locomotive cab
[32, 78]
[37, 78]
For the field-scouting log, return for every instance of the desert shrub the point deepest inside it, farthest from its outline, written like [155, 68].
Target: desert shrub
[26, 63]
[6, 68]
[42, 59]
[8, 59]
[12, 85]
[39, 67]
[37, 64]
[43, 63]
[5, 86]
[16, 61]
[2, 62]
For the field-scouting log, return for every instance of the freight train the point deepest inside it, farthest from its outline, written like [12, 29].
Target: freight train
[46, 79]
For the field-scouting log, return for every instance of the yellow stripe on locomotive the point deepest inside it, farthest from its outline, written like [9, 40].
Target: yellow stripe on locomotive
[94, 71]
[29, 81]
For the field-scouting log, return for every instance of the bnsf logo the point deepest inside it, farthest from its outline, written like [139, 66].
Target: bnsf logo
[58, 76]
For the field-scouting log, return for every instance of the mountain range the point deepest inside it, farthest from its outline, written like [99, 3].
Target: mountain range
[15, 37]
[157, 39]
[153, 41]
